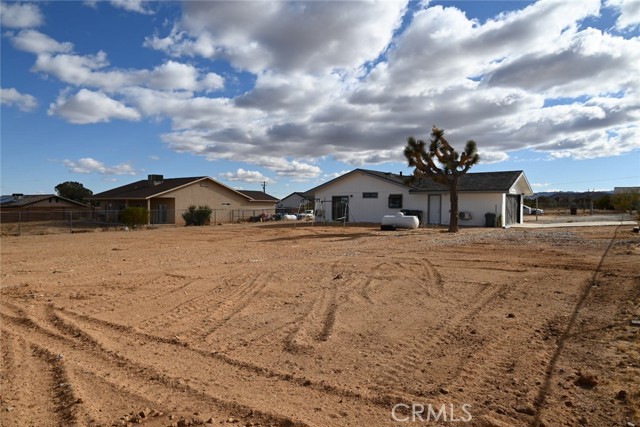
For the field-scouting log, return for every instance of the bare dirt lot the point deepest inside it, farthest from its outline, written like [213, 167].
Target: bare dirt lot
[271, 325]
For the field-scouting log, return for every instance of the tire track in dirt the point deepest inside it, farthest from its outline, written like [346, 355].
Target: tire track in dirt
[229, 308]
[65, 398]
[153, 293]
[83, 349]
[410, 270]
[247, 367]
[119, 289]
[263, 335]
[479, 369]
[29, 386]
[405, 364]
[286, 383]
[316, 324]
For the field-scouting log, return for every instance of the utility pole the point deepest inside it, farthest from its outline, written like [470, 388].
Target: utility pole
[264, 187]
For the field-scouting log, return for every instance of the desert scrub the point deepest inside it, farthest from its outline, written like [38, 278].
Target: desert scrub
[133, 217]
[200, 215]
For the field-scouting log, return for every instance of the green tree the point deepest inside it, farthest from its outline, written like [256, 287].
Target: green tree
[441, 163]
[627, 200]
[603, 202]
[73, 190]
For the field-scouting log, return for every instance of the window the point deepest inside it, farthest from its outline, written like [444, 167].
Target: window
[395, 201]
[369, 195]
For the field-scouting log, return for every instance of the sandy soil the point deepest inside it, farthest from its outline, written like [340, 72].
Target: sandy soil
[321, 326]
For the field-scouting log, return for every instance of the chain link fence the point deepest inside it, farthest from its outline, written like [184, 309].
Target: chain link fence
[34, 222]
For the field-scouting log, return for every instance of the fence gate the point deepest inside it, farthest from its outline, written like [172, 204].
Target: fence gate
[512, 209]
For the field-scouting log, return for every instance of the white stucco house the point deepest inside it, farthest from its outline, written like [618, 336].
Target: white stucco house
[366, 196]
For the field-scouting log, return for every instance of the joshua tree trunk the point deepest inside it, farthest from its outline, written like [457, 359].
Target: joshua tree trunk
[453, 198]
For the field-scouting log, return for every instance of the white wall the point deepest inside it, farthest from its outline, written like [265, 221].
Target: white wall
[367, 210]
[372, 210]
[477, 204]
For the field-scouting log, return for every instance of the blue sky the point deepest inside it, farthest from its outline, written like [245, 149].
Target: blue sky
[295, 93]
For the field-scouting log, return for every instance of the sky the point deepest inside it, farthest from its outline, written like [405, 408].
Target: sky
[295, 93]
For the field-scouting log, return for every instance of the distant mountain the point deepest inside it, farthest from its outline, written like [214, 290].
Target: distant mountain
[571, 194]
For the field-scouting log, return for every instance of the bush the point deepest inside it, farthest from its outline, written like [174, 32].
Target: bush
[134, 217]
[197, 216]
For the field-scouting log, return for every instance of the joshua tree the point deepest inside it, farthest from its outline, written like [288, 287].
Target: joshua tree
[441, 163]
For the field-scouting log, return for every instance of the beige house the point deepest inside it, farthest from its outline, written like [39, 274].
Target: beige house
[166, 199]
[39, 207]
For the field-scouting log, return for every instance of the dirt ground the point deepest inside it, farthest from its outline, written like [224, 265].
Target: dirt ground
[281, 325]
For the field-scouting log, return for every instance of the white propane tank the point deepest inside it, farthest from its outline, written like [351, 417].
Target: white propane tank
[400, 220]
[288, 217]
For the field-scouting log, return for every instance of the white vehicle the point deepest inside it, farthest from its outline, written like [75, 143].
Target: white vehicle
[531, 211]
[307, 215]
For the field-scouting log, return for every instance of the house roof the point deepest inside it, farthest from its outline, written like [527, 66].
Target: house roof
[295, 193]
[147, 189]
[478, 181]
[19, 201]
[470, 182]
[258, 196]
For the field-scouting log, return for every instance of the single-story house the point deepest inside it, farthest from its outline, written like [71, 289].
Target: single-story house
[294, 202]
[366, 196]
[167, 198]
[39, 207]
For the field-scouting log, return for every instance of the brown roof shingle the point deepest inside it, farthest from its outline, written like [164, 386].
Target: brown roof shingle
[145, 189]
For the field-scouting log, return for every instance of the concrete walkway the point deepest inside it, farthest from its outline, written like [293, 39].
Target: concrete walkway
[533, 224]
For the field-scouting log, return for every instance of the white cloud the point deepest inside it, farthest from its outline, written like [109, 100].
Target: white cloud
[488, 157]
[12, 97]
[91, 107]
[93, 71]
[88, 165]
[334, 80]
[540, 185]
[139, 6]
[314, 36]
[334, 175]
[20, 15]
[245, 176]
[629, 11]
[35, 42]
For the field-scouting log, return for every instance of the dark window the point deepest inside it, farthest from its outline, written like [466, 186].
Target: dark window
[395, 201]
[369, 195]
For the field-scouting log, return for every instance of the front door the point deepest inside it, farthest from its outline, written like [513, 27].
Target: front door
[340, 208]
[435, 202]
[512, 209]
[160, 214]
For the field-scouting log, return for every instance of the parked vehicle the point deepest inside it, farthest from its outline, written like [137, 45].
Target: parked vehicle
[307, 215]
[526, 210]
